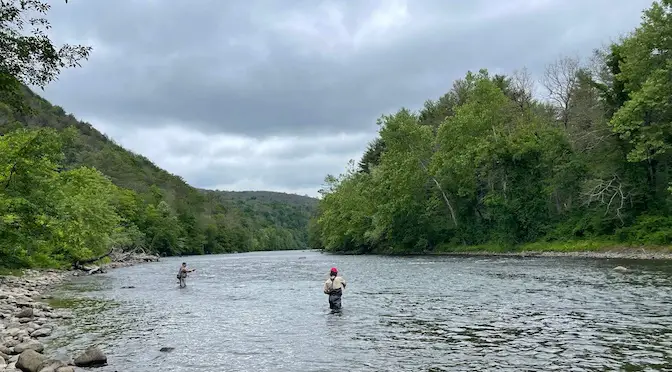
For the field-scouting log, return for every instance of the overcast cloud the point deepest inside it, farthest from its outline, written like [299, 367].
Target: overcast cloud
[273, 95]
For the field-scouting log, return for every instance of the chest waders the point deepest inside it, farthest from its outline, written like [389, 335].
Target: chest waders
[335, 297]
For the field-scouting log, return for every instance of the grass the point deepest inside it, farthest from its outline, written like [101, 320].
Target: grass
[81, 303]
[4, 271]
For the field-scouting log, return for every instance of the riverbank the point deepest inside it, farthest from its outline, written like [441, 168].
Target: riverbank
[27, 319]
[578, 249]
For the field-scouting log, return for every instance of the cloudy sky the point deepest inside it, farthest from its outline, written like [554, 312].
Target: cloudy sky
[273, 95]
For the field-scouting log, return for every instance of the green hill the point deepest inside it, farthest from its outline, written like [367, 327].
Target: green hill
[159, 211]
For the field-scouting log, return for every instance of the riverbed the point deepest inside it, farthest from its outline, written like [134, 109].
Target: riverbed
[265, 311]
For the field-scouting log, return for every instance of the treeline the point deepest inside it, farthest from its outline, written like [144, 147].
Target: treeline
[488, 164]
[69, 193]
[62, 200]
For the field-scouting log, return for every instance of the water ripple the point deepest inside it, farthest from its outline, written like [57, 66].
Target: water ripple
[266, 312]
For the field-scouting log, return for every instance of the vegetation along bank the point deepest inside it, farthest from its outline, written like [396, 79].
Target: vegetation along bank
[488, 167]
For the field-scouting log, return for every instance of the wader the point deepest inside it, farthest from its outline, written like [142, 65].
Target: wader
[183, 279]
[335, 299]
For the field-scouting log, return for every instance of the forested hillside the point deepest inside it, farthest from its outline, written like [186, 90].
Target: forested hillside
[489, 165]
[163, 214]
[69, 193]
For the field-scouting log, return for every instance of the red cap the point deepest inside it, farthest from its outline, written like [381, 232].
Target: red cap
[333, 270]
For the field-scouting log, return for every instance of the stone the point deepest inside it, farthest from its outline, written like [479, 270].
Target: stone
[30, 361]
[13, 331]
[3, 364]
[92, 356]
[4, 356]
[30, 345]
[42, 332]
[26, 304]
[66, 369]
[52, 365]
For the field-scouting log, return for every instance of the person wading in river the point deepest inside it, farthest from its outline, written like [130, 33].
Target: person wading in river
[182, 274]
[334, 287]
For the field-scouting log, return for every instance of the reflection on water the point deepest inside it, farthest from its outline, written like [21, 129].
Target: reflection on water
[266, 312]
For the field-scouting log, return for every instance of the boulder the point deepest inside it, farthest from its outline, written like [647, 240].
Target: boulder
[3, 364]
[29, 345]
[5, 350]
[66, 369]
[52, 365]
[30, 361]
[620, 268]
[92, 356]
[42, 332]
[4, 356]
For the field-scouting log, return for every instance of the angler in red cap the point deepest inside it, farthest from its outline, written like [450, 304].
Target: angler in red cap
[334, 287]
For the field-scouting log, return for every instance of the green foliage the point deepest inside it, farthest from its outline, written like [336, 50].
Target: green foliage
[488, 167]
[32, 58]
[60, 202]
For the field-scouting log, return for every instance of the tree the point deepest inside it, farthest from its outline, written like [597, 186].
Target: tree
[31, 59]
[560, 79]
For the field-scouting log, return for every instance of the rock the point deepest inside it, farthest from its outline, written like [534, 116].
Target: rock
[4, 356]
[13, 331]
[620, 268]
[42, 332]
[166, 349]
[11, 343]
[52, 365]
[92, 356]
[30, 345]
[30, 361]
[3, 364]
[66, 369]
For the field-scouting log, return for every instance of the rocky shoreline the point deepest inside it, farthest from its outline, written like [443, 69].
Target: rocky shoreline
[26, 318]
[620, 254]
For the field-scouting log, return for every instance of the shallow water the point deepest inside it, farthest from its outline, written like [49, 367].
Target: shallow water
[266, 312]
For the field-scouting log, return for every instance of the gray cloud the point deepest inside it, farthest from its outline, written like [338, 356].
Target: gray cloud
[264, 68]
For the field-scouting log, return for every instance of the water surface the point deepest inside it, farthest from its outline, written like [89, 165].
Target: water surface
[266, 312]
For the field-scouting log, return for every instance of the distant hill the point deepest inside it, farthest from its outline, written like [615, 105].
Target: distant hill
[209, 221]
[267, 197]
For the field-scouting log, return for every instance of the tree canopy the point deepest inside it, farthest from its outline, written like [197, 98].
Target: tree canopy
[489, 164]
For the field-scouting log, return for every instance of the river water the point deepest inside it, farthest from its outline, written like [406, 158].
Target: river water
[266, 312]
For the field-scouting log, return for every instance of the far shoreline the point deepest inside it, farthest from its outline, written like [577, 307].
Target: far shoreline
[658, 253]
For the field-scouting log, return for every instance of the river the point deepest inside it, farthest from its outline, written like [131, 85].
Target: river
[265, 311]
